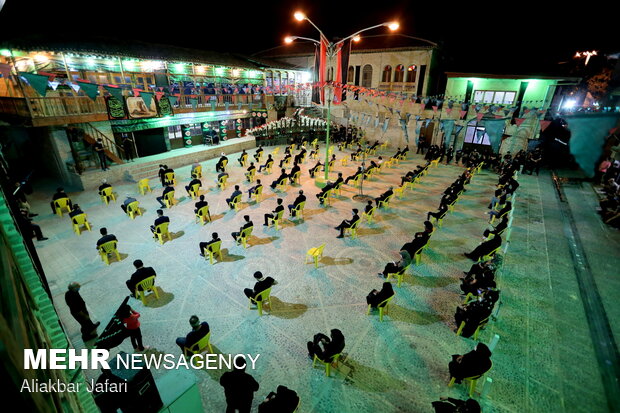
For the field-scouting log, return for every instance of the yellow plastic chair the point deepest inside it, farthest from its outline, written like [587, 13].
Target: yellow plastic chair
[482, 324]
[251, 175]
[200, 347]
[331, 164]
[80, 221]
[316, 254]
[400, 190]
[369, 216]
[276, 220]
[268, 168]
[356, 181]
[275, 151]
[243, 237]
[398, 275]
[293, 147]
[385, 202]
[383, 307]
[298, 211]
[287, 162]
[109, 248]
[203, 214]
[439, 220]
[148, 284]
[256, 195]
[143, 186]
[197, 171]
[327, 196]
[490, 255]
[327, 364]
[215, 249]
[261, 299]
[473, 380]
[169, 199]
[297, 178]
[434, 162]
[221, 182]
[161, 231]
[194, 191]
[60, 204]
[498, 217]
[169, 177]
[384, 145]
[244, 160]
[281, 186]
[224, 163]
[343, 161]
[133, 209]
[451, 205]
[259, 157]
[337, 188]
[234, 203]
[107, 193]
[353, 229]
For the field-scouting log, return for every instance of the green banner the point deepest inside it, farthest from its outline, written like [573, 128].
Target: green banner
[173, 100]
[38, 82]
[194, 103]
[147, 97]
[116, 92]
[164, 107]
[91, 90]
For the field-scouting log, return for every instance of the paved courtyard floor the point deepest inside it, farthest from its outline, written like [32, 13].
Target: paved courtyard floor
[544, 361]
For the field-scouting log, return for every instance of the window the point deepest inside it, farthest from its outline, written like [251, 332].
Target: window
[351, 75]
[387, 74]
[476, 134]
[494, 96]
[269, 78]
[367, 76]
[174, 132]
[411, 74]
[399, 74]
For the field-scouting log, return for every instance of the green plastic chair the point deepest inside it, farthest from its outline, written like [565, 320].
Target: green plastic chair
[383, 307]
[261, 299]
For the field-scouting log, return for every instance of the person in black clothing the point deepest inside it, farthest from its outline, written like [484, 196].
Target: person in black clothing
[274, 213]
[243, 153]
[474, 363]
[485, 248]
[268, 162]
[250, 169]
[75, 210]
[161, 174]
[101, 153]
[499, 228]
[199, 330]
[300, 198]
[254, 189]
[168, 171]
[384, 195]
[194, 181]
[161, 218]
[475, 312]
[315, 168]
[104, 185]
[60, 194]
[261, 285]
[258, 153]
[201, 203]
[449, 154]
[128, 148]
[354, 176]
[281, 178]
[284, 400]
[443, 208]
[128, 200]
[324, 347]
[78, 309]
[141, 274]
[368, 207]
[161, 198]
[247, 224]
[348, 223]
[478, 282]
[219, 167]
[374, 298]
[502, 212]
[235, 193]
[285, 159]
[214, 238]
[408, 250]
[294, 170]
[105, 237]
[450, 405]
[27, 227]
[239, 388]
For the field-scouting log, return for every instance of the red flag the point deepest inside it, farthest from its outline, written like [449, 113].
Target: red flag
[544, 124]
[448, 110]
[422, 105]
[322, 66]
[479, 116]
[136, 92]
[462, 113]
[158, 95]
[435, 109]
[519, 121]
[498, 116]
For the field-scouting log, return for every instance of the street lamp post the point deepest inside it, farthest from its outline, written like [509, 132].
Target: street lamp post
[331, 51]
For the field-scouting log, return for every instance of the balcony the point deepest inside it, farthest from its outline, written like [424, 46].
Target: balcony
[407, 87]
[61, 110]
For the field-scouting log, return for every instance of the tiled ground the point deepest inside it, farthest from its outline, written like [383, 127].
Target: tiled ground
[397, 365]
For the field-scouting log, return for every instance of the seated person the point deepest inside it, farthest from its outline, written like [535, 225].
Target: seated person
[377, 297]
[200, 204]
[480, 281]
[450, 405]
[300, 198]
[284, 400]
[258, 153]
[262, 283]
[392, 268]
[485, 248]
[199, 330]
[104, 185]
[281, 178]
[168, 171]
[298, 158]
[167, 189]
[194, 181]
[161, 218]
[219, 167]
[443, 208]
[314, 169]
[294, 170]
[267, 164]
[478, 268]
[405, 151]
[384, 195]
[128, 200]
[356, 154]
[247, 225]
[27, 227]
[397, 154]
[499, 228]
[141, 274]
[348, 223]
[254, 189]
[243, 155]
[408, 177]
[476, 311]
[105, 237]
[368, 207]
[214, 238]
[324, 347]
[220, 176]
[354, 176]
[274, 213]
[75, 210]
[250, 170]
[195, 167]
[235, 193]
[60, 194]
[502, 212]
[285, 159]
[475, 363]
[408, 250]
[374, 145]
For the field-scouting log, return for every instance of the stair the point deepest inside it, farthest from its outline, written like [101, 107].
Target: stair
[111, 155]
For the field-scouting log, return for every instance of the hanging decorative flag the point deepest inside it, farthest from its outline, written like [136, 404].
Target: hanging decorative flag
[422, 106]
[91, 90]
[462, 114]
[147, 97]
[494, 129]
[386, 122]
[544, 124]
[158, 95]
[519, 121]
[498, 116]
[435, 109]
[38, 82]
[54, 84]
[173, 100]
[136, 92]
[403, 125]
[448, 110]
[448, 127]
[479, 116]
[74, 86]
[115, 91]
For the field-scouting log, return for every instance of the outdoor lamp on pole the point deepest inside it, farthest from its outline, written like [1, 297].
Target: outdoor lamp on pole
[331, 52]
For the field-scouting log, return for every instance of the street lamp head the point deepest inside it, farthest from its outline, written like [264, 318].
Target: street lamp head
[356, 38]
[393, 26]
[299, 16]
[288, 40]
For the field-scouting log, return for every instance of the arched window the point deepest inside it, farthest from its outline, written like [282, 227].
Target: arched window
[387, 74]
[284, 79]
[399, 73]
[367, 76]
[411, 73]
[351, 75]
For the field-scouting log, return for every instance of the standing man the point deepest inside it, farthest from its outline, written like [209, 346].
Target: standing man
[101, 153]
[77, 306]
[128, 147]
[239, 388]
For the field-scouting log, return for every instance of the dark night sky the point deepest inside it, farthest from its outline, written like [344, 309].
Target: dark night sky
[487, 34]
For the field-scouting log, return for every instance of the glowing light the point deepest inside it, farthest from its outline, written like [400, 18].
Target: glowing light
[299, 16]
[235, 72]
[219, 71]
[393, 26]
[305, 77]
[569, 104]
[129, 64]
[41, 58]
[179, 67]
[357, 38]
[5, 52]
[199, 69]
[587, 55]
[288, 40]
[150, 65]
[90, 62]
[110, 63]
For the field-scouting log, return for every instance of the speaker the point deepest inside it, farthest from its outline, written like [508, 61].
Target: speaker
[142, 395]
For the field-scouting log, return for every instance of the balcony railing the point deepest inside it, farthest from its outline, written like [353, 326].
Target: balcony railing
[397, 86]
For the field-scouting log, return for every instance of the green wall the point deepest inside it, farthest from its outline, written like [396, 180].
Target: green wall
[536, 90]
